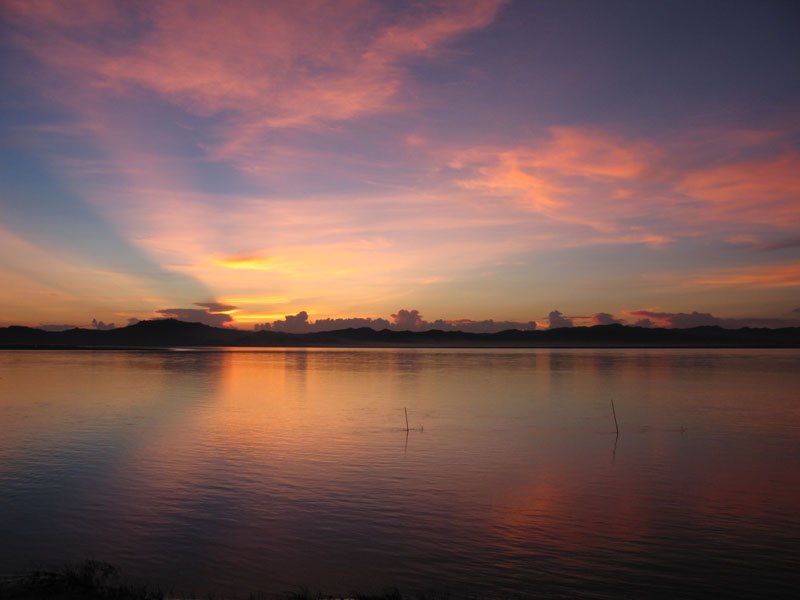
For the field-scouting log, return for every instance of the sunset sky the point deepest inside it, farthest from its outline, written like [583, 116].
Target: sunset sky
[235, 162]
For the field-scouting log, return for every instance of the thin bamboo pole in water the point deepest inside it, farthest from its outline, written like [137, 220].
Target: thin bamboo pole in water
[613, 410]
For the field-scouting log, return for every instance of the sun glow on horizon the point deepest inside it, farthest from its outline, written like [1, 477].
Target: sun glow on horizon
[255, 263]
[161, 157]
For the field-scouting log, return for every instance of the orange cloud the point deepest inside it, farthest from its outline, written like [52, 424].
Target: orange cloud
[594, 154]
[627, 189]
[764, 276]
[759, 191]
[582, 177]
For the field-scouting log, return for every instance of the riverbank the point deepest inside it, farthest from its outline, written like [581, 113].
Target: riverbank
[169, 333]
[96, 580]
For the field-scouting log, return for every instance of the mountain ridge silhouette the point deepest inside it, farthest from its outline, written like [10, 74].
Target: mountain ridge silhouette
[165, 333]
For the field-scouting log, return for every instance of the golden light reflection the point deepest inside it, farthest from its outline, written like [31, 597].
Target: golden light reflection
[277, 439]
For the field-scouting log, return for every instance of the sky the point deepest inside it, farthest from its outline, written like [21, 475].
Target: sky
[471, 164]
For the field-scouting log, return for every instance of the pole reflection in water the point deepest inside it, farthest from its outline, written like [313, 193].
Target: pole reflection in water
[247, 471]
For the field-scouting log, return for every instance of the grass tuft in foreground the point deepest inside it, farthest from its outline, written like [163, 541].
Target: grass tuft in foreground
[393, 594]
[96, 580]
[89, 580]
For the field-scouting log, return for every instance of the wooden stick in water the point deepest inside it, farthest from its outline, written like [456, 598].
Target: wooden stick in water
[406, 411]
[614, 412]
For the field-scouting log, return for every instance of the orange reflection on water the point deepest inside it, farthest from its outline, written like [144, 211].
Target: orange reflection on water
[257, 461]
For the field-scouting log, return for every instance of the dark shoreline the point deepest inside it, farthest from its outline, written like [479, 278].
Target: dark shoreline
[97, 580]
[213, 349]
[169, 333]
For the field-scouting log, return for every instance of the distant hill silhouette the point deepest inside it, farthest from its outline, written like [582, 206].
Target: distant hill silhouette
[164, 333]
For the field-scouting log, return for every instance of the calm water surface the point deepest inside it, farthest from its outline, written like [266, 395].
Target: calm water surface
[264, 471]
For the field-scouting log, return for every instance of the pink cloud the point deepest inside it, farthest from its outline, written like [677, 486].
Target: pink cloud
[756, 191]
[763, 276]
[261, 65]
[594, 153]
[580, 177]
[622, 189]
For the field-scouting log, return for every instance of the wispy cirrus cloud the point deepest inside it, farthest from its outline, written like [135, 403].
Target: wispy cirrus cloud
[781, 275]
[315, 153]
[757, 190]
[763, 276]
[630, 189]
[253, 66]
[757, 242]
[554, 175]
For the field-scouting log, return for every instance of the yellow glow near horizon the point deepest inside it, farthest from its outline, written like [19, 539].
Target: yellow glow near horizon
[255, 263]
[257, 300]
[218, 158]
[258, 318]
